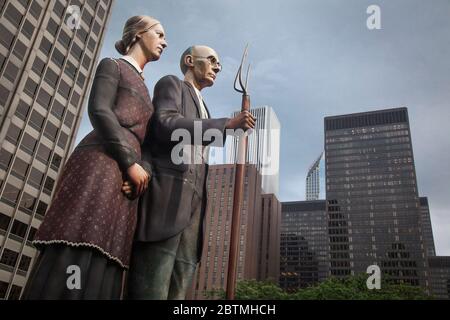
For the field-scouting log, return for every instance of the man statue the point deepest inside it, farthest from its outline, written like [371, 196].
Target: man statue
[169, 234]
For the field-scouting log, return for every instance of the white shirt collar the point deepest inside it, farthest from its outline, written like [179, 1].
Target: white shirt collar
[204, 113]
[133, 62]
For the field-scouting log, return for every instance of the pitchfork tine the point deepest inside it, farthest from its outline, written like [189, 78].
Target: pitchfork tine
[243, 88]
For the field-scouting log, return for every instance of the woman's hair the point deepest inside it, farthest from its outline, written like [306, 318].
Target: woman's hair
[133, 27]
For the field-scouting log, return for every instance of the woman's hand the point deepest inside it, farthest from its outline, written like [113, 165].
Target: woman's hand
[138, 178]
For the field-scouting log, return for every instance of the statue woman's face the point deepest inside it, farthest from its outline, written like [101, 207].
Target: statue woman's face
[153, 42]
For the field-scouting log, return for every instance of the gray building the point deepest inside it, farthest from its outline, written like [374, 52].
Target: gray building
[315, 180]
[304, 244]
[427, 230]
[48, 54]
[372, 197]
[439, 268]
[263, 148]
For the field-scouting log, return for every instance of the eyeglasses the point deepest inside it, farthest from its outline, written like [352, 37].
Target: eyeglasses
[212, 61]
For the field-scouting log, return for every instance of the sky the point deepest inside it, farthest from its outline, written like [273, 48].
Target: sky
[316, 58]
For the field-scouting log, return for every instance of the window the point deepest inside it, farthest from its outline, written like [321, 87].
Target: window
[31, 234]
[35, 179]
[44, 98]
[92, 3]
[20, 49]
[70, 70]
[30, 88]
[28, 144]
[14, 294]
[91, 44]
[75, 99]
[13, 134]
[86, 62]
[43, 154]
[69, 116]
[82, 35]
[10, 194]
[28, 29]
[59, 9]
[35, 10]
[101, 12]
[50, 131]
[20, 168]
[36, 120]
[19, 228]
[9, 257]
[41, 208]
[38, 66]
[7, 37]
[96, 28]
[24, 263]
[52, 27]
[13, 15]
[56, 161]
[4, 221]
[4, 94]
[62, 141]
[87, 17]
[23, 2]
[5, 159]
[11, 72]
[48, 186]
[2, 61]
[58, 57]
[27, 203]
[81, 79]
[76, 51]
[57, 109]
[3, 289]
[64, 89]
[46, 46]
[51, 77]
[64, 38]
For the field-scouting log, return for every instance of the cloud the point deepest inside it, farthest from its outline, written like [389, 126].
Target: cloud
[311, 59]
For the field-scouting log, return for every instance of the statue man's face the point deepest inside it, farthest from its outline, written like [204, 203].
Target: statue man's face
[205, 65]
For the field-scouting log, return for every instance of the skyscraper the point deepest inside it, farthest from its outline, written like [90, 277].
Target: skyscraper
[48, 53]
[427, 230]
[304, 248]
[372, 198]
[315, 180]
[259, 232]
[439, 268]
[269, 238]
[263, 148]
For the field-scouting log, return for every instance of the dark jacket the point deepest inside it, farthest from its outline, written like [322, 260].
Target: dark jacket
[165, 208]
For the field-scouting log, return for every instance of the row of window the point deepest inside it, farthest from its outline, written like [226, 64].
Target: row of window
[14, 294]
[28, 202]
[29, 144]
[18, 228]
[9, 258]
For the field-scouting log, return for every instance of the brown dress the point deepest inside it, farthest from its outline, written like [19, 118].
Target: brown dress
[89, 212]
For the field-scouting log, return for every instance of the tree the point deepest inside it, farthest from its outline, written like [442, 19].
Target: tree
[350, 288]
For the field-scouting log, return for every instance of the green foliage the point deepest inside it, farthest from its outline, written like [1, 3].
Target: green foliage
[350, 288]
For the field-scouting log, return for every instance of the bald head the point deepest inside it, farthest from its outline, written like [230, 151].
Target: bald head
[197, 50]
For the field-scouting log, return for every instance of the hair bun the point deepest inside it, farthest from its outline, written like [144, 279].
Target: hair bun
[120, 47]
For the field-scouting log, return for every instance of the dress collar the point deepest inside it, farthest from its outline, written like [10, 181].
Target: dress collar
[133, 62]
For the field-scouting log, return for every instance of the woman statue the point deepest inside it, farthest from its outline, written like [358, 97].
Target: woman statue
[86, 237]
